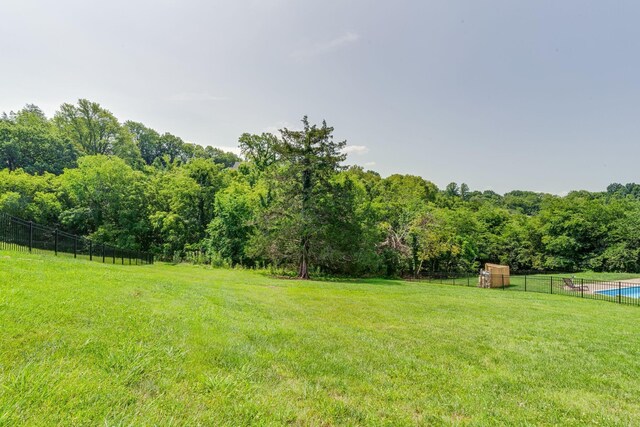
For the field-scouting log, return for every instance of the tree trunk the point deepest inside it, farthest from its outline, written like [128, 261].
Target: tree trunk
[414, 255]
[303, 271]
[416, 273]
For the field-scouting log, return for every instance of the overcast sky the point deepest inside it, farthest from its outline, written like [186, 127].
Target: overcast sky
[539, 95]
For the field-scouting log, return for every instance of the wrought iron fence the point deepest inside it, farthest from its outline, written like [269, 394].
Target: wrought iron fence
[621, 292]
[19, 235]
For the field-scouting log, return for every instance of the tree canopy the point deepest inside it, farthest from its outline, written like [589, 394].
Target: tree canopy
[292, 203]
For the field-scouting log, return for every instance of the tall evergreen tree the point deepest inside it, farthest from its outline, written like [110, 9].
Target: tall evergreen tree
[309, 159]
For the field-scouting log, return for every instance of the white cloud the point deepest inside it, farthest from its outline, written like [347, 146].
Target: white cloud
[355, 149]
[193, 96]
[370, 164]
[322, 48]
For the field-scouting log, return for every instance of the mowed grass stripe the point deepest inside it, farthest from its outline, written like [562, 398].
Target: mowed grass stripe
[87, 343]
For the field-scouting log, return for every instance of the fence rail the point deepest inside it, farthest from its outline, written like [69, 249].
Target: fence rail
[19, 235]
[621, 292]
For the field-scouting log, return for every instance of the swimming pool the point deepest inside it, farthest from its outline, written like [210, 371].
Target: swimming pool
[632, 292]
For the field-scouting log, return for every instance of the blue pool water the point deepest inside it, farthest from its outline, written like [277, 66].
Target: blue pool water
[632, 292]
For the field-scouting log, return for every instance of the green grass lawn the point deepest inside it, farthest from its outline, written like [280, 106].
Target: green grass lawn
[86, 343]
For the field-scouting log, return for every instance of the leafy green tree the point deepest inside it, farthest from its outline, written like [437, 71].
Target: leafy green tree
[398, 201]
[11, 203]
[575, 229]
[172, 148]
[174, 211]
[31, 197]
[628, 190]
[30, 142]
[94, 130]
[221, 157]
[452, 190]
[105, 198]
[147, 140]
[465, 193]
[259, 149]
[341, 241]
[208, 176]
[526, 202]
[295, 225]
[292, 203]
[616, 188]
[517, 243]
[231, 229]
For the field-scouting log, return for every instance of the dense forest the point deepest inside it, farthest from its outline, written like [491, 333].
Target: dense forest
[291, 203]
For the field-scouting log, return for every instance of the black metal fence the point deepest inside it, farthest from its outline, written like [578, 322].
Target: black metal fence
[19, 235]
[620, 292]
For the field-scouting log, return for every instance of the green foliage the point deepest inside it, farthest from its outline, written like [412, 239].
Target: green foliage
[31, 197]
[106, 200]
[94, 130]
[232, 227]
[147, 140]
[259, 149]
[291, 204]
[174, 198]
[526, 202]
[11, 203]
[297, 226]
[398, 201]
[28, 141]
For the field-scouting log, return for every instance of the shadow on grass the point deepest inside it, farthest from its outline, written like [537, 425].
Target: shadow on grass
[379, 281]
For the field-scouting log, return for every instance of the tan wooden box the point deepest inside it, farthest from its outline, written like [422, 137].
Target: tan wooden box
[499, 274]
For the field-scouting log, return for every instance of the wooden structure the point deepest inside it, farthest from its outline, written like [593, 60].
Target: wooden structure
[499, 275]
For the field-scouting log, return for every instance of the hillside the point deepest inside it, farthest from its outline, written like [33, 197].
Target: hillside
[116, 345]
[133, 187]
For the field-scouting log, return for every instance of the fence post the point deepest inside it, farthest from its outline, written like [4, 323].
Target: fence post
[502, 278]
[55, 243]
[75, 246]
[103, 253]
[582, 288]
[113, 252]
[30, 236]
[619, 292]
[468, 280]
[525, 283]
[551, 284]
[122, 256]
[90, 250]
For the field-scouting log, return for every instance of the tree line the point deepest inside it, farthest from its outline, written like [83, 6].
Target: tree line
[291, 203]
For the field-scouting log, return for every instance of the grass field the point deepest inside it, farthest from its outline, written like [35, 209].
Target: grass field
[91, 344]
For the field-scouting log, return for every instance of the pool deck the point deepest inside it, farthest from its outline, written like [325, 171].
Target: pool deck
[597, 286]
